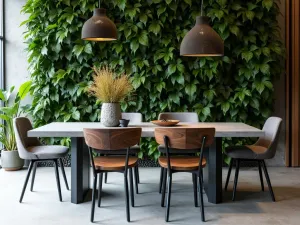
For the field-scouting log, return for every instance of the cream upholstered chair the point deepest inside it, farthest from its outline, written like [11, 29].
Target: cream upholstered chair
[185, 117]
[32, 149]
[264, 148]
[135, 118]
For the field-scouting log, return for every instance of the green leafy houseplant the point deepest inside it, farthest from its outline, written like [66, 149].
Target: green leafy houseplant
[237, 87]
[9, 111]
[10, 159]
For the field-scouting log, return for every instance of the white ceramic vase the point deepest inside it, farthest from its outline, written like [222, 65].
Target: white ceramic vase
[110, 114]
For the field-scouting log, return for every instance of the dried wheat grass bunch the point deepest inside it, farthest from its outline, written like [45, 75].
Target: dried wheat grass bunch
[109, 87]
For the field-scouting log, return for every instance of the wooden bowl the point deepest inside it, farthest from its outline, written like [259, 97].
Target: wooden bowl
[164, 123]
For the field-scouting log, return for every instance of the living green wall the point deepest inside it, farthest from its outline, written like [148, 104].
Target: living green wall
[236, 87]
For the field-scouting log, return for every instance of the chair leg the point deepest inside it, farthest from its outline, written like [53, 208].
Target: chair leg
[100, 188]
[138, 173]
[236, 178]
[169, 196]
[136, 180]
[201, 198]
[26, 181]
[131, 186]
[163, 190]
[94, 198]
[63, 173]
[195, 189]
[57, 179]
[268, 180]
[105, 178]
[33, 175]
[126, 198]
[261, 177]
[228, 175]
[161, 178]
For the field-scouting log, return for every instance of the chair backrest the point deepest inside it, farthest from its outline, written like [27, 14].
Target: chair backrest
[112, 138]
[134, 118]
[21, 126]
[187, 117]
[185, 138]
[270, 139]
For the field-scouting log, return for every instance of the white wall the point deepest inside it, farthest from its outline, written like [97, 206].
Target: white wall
[16, 61]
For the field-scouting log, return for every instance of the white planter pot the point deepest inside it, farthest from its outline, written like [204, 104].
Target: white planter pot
[11, 161]
[110, 114]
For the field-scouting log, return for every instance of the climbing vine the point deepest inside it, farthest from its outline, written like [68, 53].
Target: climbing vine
[236, 87]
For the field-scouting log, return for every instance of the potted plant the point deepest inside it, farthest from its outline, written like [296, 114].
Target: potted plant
[10, 159]
[110, 89]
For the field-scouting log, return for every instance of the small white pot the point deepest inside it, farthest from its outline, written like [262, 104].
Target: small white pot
[110, 114]
[11, 161]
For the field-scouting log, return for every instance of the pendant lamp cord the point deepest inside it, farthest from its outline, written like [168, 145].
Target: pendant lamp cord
[99, 3]
[201, 7]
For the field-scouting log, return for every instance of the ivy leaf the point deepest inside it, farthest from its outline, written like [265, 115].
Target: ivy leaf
[160, 11]
[234, 29]
[189, 2]
[77, 50]
[154, 27]
[225, 106]
[171, 69]
[143, 38]
[247, 56]
[44, 50]
[143, 18]
[250, 15]
[134, 45]
[190, 89]
[88, 49]
[76, 115]
[267, 4]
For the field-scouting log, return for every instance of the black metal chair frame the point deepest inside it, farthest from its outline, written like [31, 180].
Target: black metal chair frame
[100, 172]
[33, 165]
[261, 164]
[197, 174]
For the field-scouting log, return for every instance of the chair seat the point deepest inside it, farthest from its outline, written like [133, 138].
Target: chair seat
[246, 152]
[114, 162]
[185, 163]
[162, 149]
[49, 151]
[133, 151]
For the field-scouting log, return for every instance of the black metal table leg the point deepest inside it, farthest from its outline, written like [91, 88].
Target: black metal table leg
[80, 170]
[213, 180]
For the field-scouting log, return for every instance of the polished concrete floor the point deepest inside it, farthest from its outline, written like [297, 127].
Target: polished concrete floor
[251, 206]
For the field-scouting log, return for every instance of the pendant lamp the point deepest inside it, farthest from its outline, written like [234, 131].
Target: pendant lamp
[99, 27]
[202, 40]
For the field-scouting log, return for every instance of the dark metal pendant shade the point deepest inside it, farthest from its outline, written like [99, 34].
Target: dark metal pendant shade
[99, 27]
[202, 40]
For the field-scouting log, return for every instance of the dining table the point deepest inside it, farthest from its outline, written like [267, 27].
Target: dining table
[80, 161]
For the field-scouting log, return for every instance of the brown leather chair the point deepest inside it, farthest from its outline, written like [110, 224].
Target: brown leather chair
[180, 139]
[135, 118]
[185, 117]
[112, 140]
[264, 148]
